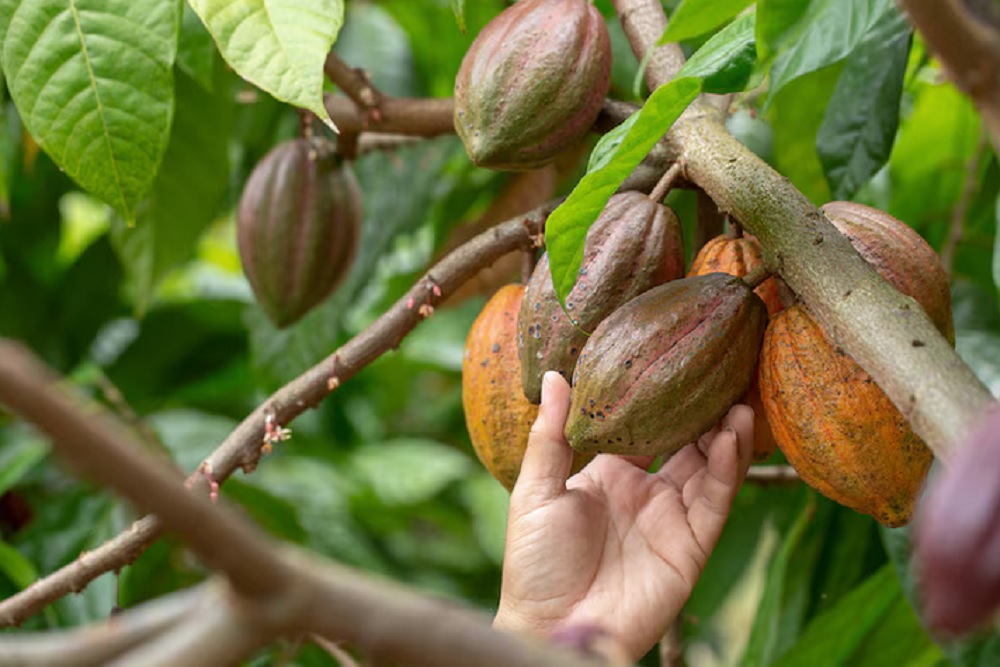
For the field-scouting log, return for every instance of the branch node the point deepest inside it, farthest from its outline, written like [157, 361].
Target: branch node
[273, 432]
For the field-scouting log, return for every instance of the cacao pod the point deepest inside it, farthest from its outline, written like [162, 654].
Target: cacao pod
[738, 256]
[532, 83]
[900, 255]
[837, 428]
[497, 415]
[956, 534]
[635, 244]
[666, 367]
[298, 226]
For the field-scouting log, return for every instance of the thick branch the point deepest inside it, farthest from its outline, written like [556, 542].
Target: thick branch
[242, 447]
[644, 23]
[98, 644]
[100, 449]
[964, 36]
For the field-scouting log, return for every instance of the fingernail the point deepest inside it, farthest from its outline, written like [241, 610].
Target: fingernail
[547, 379]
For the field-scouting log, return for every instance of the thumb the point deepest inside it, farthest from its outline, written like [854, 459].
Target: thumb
[548, 457]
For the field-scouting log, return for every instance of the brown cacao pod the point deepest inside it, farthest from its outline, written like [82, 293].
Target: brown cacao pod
[665, 367]
[635, 244]
[738, 256]
[532, 83]
[497, 415]
[900, 255]
[298, 225]
[837, 428]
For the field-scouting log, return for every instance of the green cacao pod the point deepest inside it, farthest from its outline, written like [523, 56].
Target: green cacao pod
[900, 255]
[298, 225]
[532, 83]
[666, 367]
[635, 244]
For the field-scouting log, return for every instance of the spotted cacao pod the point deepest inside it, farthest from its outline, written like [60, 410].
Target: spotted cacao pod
[635, 244]
[738, 256]
[900, 255]
[666, 367]
[497, 415]
[298, 225]
[837, 428]
[532, 83]
[834, 424]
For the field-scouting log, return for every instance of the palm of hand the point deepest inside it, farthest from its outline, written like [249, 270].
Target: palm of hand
[614, 545]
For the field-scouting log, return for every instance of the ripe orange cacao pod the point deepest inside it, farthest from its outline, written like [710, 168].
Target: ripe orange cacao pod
[497, 415]
[837, 428]
[900, 255]
[738, 256]
[664, 368]
[532, 83]
[635, 244]
[298, 226]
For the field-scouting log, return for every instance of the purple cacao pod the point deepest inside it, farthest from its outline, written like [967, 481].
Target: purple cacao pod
[298, 226]
[634, 245]
[664, 368]
[957, 535]
[532, 83]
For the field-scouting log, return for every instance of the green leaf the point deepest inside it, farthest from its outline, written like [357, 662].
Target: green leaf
[873, 625]
[858, 130]
[187, 193]
[996, 252]
[18, 456]
[409, 471]
[777, 22]
[92, 80]
[832, 29]
[488, 502]
[18, 569]
[726, 61]
[279, 46]
[566, 228]
[696, 17]
[196, 50]
[458, 7]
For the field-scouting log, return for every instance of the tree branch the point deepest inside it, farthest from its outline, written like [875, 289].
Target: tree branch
[644, 23]
[98, 644]
[242, 448]
[423, 117]
[887, 333]
[964, 36]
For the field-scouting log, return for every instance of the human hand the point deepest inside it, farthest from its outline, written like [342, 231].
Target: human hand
[614, 545]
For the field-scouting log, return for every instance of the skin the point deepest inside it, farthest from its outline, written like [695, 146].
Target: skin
[614, 546]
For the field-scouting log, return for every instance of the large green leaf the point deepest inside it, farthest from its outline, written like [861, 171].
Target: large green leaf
[19, 454]
[832, 29]
[725, 62]
[92, 80]
[857, 133]
[778, 21]
[696, 17]
[873, 625]
[278, 45]
[188, 190]
[616, 155]
[409, 471]
[18, 569]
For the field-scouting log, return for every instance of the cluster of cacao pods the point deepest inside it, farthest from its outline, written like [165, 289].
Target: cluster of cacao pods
[298, 227]
[657, 359]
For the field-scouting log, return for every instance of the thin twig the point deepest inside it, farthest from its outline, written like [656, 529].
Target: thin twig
[667, 182]
[956, 227]
[672, 644]
[773, 475]
[343, 658]
[355, 84]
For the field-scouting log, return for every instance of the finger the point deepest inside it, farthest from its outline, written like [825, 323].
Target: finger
[709, 509]
[740, 418]
[548, 457]
[679, 468]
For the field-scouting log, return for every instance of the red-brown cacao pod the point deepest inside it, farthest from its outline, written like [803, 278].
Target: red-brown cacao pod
[497, 415]
[635, 244]
[532, 83]
[666, 367]
[900, 255]
[298, 226]
[738, 256]
[837, 428]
